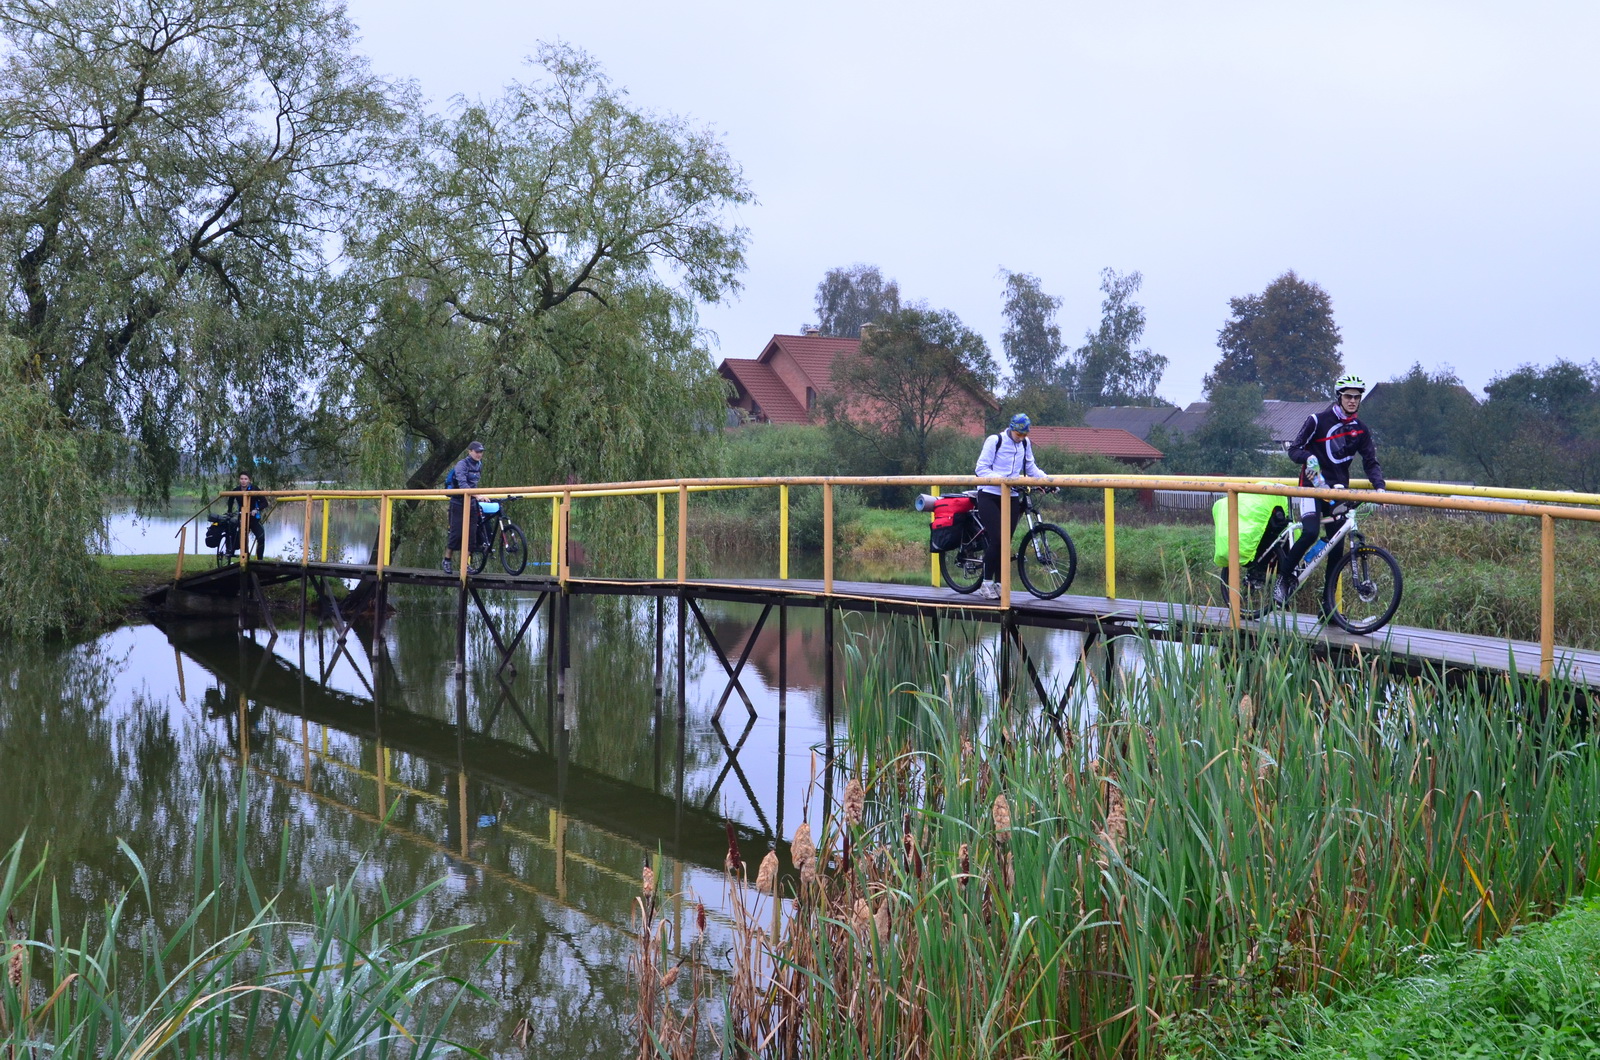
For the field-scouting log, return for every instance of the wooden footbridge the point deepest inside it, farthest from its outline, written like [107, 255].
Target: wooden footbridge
[1105, 617]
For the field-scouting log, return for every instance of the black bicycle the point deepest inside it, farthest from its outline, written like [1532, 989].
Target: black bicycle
[1046, 558]
[1361, 592]
[497, 533]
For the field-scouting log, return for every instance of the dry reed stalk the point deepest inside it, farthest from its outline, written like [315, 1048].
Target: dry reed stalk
[1001, 813]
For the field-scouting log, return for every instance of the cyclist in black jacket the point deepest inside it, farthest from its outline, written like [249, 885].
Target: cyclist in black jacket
[1335, 437]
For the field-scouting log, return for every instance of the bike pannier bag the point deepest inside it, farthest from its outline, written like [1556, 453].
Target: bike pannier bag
[214, 533]
[946, 538]
[945, 509]
[1257, 525]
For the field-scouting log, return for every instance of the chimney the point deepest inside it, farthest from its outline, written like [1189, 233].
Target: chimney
[866, 329]
[811, 329]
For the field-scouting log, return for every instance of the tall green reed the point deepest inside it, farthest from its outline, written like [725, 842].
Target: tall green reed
[231, 977]
[1225, 829]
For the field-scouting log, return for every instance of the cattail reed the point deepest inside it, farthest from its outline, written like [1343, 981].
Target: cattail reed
[767, 874]
[855, 798]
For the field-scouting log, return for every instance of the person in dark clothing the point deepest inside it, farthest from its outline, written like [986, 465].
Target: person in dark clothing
[466, 474]
[258, 515]
[1335, 436]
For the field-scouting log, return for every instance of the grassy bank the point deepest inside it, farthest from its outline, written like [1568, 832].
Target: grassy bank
[1536, 994]
[1220, 836]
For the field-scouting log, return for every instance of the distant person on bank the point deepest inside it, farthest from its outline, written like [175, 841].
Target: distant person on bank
[258, 514]
[464, 476]
[1008, 454]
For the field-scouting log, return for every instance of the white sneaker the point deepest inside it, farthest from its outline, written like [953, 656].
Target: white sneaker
[989, 590]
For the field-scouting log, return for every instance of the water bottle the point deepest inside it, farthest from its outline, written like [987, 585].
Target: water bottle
[1314, 473]
[1316, 550]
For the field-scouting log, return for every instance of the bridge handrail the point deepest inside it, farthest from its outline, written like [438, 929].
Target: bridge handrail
[1547, 505]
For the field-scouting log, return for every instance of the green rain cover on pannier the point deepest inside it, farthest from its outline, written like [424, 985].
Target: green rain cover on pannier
[1255, 510]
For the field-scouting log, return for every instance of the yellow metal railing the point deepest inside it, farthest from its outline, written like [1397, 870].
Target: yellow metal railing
[1547, 505]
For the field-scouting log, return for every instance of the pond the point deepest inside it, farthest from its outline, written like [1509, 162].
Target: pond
[539, 815]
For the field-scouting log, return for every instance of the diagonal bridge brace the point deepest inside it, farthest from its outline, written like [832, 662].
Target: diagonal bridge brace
[500, 645]
[722, 657]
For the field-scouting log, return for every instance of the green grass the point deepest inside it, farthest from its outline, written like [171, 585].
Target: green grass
[1534, 995]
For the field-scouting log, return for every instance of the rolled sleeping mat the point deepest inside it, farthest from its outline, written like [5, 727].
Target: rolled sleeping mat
[925, 502]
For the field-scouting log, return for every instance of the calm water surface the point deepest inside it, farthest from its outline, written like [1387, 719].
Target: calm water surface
[539, 815]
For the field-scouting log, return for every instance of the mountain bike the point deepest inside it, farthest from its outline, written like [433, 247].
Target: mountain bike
[1046, 558]
[497, 533]
[1361, 592]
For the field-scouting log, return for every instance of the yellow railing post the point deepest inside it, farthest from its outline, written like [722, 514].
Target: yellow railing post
[383, 535]
[325, 503]
[1547, 597]
[244, 530]
[933, 557]
[183, 542]
[566, 532]
[1233, 556]
[466, 539]
[683, 534]
[555, 536]
[388, 529]
[1005, 546]
[305, 534]
[661, 536]
[783, 532]
[1111, 544]
[827, 538]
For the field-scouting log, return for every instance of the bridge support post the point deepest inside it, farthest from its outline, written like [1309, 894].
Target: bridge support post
[660, 631]
[461, 627]
[827, 675]
[683, 672]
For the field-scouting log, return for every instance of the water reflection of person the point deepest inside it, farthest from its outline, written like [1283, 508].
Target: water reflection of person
[478, 816]
[221, 703]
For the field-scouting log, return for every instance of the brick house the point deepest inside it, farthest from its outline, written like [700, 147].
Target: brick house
[785, 384]
[1118, 444]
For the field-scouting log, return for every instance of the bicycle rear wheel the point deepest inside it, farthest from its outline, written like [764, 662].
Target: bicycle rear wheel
[962, 566]
[513, 549]
[478, 554]
[1363, 589]
[1047, 561]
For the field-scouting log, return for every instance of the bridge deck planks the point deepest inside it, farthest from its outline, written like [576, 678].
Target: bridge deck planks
[1410, 643]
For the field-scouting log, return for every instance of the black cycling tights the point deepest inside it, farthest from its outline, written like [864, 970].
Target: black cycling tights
[1311, 527]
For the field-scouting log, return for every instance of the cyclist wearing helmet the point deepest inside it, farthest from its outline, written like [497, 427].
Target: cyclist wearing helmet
[1335, 437]
[1008, 454]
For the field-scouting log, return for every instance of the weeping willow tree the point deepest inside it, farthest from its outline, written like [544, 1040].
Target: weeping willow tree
[52, 496]
[170, 178]
[528, 275]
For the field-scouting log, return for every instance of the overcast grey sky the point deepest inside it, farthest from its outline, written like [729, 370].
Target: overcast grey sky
[1432, 165]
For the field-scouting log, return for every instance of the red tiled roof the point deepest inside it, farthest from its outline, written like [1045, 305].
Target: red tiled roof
[815, 355]
[1104, 441]
[762, 383]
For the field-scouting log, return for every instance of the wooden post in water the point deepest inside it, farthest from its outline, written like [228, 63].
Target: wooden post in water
[660, 636]
[305, 558]
[1547, 597]
[461, 588]
[1233, 556]
[827, 674]
[683, 678]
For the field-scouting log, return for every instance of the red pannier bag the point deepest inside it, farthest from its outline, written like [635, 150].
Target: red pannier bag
[952, 523]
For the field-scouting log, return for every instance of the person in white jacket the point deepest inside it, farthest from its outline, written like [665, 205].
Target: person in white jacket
[1008, 454]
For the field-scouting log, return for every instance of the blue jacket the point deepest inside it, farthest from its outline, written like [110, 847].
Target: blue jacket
[467, 472]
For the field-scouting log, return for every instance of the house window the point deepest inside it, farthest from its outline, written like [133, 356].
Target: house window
[755, 409]
[811, 399]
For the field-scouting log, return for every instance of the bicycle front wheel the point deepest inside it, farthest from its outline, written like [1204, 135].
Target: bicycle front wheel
[962, 566]
[513, 549]
[1363, 590]
[1047, 561]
